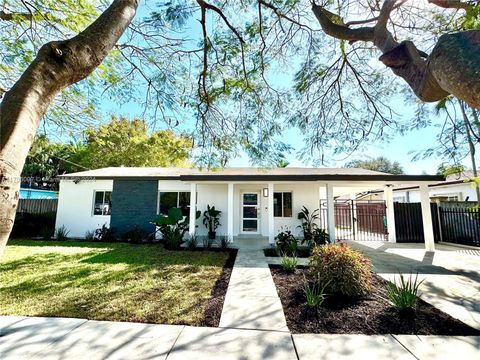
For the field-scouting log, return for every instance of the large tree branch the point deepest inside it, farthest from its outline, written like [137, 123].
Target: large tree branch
[13, 16]
[57, 65]
[431, 77]
[453, 4]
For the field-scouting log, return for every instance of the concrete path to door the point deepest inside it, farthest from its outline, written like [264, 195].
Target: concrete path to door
[451, 274]
[252, 301]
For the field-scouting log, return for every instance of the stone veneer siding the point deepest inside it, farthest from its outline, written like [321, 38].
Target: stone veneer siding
[134, 202]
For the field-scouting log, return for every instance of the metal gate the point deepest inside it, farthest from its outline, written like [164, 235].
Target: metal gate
[363, 220]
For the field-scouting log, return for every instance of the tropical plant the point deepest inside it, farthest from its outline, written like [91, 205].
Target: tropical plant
[286, 243]
[289, 264]
[405, 294]
[136, 235]
[90, 235]
[308, 223]
[47, 233]
[314, 293]
[61, 233]
[346, 271]
[105, 234]
[192, 242]
[319, 237]
[211, 220]
[173, 227]
[224, 243]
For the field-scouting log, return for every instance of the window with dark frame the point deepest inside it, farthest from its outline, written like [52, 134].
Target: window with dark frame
[170, 199]
[282, 204]
[102, 204]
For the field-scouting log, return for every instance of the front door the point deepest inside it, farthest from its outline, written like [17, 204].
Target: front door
[250, 212]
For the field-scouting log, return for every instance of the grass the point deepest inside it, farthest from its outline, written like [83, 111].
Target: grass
[105, 281]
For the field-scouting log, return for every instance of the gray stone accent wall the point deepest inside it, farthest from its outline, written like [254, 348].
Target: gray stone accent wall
[134, 202]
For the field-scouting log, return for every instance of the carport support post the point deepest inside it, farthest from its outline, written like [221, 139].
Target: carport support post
[193, 209]
[271, 218]
[392, 237]
[331, 213]
[230, 212]
[427, 218]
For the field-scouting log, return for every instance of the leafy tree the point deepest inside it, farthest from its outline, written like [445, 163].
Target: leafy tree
[127, 143]
[381, 164]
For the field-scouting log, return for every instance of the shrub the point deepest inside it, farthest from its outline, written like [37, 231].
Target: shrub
[47, 233]
[90, 235]
[404, 295]
[172, 238]
[30, 225]
[105, 234]
[208, 243]
[224, 244]
[61, 233]
[314, 293]
[308, 223]
[286, 243]
[135, 235]
[289, 264]
[192, 242]
[346, 271]
[173, 227]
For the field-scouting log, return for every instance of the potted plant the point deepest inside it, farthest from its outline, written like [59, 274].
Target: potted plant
[211, 220]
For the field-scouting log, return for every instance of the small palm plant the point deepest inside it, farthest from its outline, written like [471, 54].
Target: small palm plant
[314, 293]
[211, 220]
[404, 295]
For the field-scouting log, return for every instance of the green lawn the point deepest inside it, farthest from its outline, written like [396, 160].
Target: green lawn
[105, 281]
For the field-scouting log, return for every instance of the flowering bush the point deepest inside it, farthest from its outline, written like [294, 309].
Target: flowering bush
[346, 271]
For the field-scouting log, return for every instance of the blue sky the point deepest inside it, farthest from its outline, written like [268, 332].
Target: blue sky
[399, 149]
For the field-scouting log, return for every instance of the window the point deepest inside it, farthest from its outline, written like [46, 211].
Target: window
[102, 203]
[282, 204]
[178, 199]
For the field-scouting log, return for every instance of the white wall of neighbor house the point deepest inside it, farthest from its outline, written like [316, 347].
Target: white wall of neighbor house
[75, 206]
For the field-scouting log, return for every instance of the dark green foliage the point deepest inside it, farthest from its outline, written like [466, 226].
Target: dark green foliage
[381, 164]
[211, 218]
[404, 294]
[314, 293]
[192, 242]
[289, 264]
[173, 227]
[346, 271]
[135, 235]
[208, 243]
[90, 235]
[308, 223]
[47, 233]
[224, 244]
[32, 225]
[61, 233]
[286, 244]
[105, 234]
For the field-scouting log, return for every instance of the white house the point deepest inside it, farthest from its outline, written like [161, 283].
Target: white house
[456, 187]
[254, 201]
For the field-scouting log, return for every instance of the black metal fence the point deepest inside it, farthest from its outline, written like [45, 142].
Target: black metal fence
[457, 222]
[363, 220]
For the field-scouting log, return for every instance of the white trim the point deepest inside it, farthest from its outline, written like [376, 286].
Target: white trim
[271, 218]
[230, 212]
[242, 205]
[331, 213]
[193, 209]
[392, 236]
[427, 218]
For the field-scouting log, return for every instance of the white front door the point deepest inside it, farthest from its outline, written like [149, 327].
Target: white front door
[250, 212]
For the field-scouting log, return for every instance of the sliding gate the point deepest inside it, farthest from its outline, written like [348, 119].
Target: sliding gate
[363, 220]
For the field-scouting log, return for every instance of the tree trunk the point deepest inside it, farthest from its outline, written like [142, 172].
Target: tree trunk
[57, 65]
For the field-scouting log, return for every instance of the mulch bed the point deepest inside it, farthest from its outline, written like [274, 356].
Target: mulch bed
[371, 315]
[214, 307]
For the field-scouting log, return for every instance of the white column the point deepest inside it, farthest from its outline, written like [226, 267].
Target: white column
[331, 213]
[193, 208]
[271, 219]
[353, 217]
[427, 218]
[392, 236]
[230, 212]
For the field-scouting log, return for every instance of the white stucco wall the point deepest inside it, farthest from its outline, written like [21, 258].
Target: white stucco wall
[75, 206]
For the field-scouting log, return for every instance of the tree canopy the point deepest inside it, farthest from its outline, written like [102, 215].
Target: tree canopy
[380, 163]
[120, 142]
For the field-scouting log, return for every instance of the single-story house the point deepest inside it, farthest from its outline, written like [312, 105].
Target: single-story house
[456, 187]
[255, 202]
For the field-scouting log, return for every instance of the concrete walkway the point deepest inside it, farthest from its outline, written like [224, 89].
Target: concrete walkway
[451, 274]
[252, 301]
[253, 326]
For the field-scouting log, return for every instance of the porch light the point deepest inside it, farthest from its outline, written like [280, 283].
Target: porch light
[265, 192]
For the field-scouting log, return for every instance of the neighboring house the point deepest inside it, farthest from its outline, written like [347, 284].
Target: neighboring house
[456, 187]
[254, 201]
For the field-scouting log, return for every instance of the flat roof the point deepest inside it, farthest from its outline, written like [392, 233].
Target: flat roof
[249, 174]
